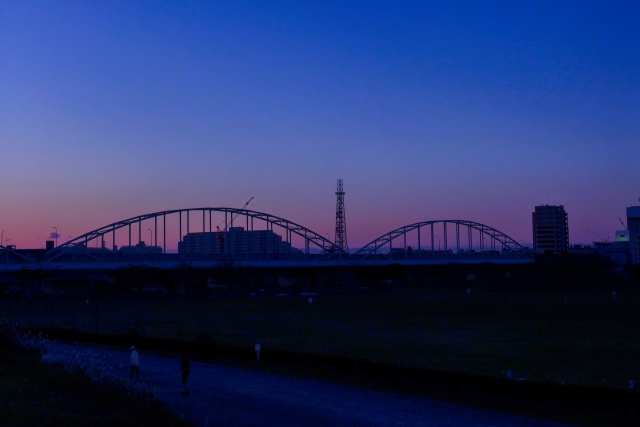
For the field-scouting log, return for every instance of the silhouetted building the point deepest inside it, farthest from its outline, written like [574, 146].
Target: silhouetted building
[140, 248]
[236, 242]
[633, 227]
[550, 229]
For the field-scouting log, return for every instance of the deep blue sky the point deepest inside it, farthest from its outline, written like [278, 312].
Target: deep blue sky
[427, 110]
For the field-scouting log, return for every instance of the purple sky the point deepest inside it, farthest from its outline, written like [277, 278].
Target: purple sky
[427, 110]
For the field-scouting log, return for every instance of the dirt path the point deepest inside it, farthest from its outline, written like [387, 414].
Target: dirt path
[227, 396]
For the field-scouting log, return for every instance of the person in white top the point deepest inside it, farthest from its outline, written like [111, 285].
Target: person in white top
[134, 372]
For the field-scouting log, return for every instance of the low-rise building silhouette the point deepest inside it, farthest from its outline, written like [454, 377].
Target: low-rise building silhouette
[236, 242]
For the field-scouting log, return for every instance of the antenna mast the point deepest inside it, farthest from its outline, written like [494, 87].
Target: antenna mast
[341, 225]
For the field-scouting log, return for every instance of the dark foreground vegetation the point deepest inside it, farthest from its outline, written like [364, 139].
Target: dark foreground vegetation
[33, 393]
[552, 340]
[568, 403]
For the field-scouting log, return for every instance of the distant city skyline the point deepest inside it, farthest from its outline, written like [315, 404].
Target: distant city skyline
[427, 111]
[165, 232]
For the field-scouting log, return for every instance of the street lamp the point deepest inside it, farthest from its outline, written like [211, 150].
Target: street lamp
[56, 235]
[2, 238]
[150, 237]
[438, 242]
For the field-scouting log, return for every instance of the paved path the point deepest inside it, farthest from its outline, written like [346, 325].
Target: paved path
[227, 396]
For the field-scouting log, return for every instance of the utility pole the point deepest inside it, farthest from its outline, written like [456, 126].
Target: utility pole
[341, 225]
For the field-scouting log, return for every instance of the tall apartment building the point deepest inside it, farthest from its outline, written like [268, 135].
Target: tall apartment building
[633, 226]
[550, 229]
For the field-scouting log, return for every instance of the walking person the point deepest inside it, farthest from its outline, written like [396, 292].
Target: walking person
[134, 362]
[185, 369]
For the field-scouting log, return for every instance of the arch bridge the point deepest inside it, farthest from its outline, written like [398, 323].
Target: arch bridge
[221, 235]
[469, 240]
[197, 234]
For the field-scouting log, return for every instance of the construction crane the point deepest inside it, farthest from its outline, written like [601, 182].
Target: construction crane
[600, 237]
[237, 213]
[233, 217]
[622, 222]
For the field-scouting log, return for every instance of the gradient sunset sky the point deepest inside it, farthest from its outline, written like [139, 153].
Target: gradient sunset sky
[473, 110]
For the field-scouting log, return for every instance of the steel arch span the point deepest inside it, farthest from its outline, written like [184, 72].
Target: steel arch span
[489, 240]
[191, 220]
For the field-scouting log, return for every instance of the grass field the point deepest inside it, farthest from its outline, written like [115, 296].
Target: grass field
[585, 338]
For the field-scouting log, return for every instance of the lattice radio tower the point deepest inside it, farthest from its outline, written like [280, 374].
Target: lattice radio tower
[341, 225]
